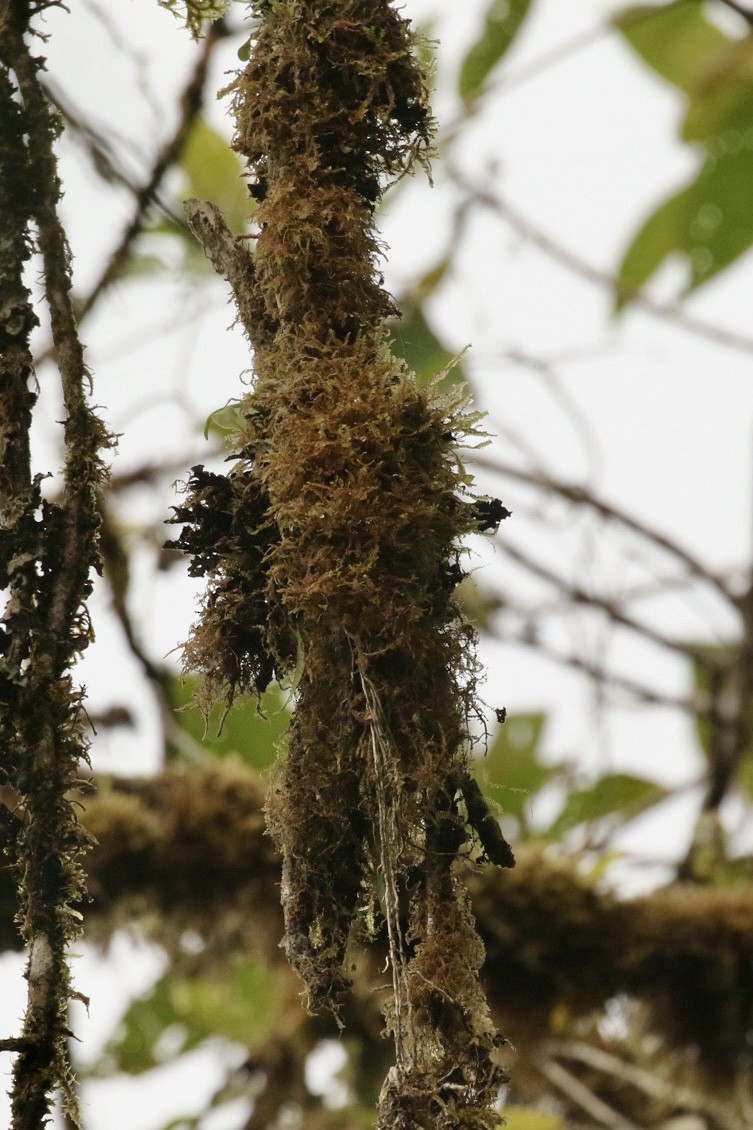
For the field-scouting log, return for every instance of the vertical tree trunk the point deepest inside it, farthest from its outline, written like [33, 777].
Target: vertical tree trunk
[46, 555]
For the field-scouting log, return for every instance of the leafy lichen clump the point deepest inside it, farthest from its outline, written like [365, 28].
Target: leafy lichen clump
[343, 579]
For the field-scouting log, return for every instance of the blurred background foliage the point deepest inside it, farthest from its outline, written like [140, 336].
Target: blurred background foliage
[625, 1010]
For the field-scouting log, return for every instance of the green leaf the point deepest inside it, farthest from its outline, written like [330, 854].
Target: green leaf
[618, 795]
[719, 221]
[214, 173]
[675, 40]
[660, 235]
[137, 266]
[240, 1003]
[722, 105]
[709, 223]
[413, 339]
[478, 603]
[249, 731]
[148, 260]
[224, 421]
[512, 773]
[503, 21]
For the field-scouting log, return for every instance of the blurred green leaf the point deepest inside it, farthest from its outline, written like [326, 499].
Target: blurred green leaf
[224, 420]
[147, 259]
[138, 266]
[214, 173]
[719, 218]
[240, 1003]
[720, 113]
[675, 40]
[734, 872]
[435, 275]
[413, 339]
[249, 732]
[503, 21]
[620, 795]
[512, 772]
[653, 243]
[479, 604]
[194, 261]
[709, 223]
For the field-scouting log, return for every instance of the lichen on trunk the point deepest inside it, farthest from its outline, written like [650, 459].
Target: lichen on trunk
[353, 558]
[48, 550]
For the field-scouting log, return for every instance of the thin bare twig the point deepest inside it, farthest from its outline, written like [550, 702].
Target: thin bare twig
[564, 1081]
[612, 610]
[191, 103]
[167, 156]
[669, 312]
[97, 143]
[580, 496]
[545, 371]
[530, 638]
[666, 1091]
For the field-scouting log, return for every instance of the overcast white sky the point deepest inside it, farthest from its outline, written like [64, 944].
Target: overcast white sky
[584, 149]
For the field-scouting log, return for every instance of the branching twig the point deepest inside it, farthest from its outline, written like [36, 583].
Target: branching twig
[656, 1088]
[573, 262]
[564, 1081]
[612, 610]
[579, 496]
[191, 103]
[116, 572]
[594, 671]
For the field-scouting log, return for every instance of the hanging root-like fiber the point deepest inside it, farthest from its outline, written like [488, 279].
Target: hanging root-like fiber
[343, 580]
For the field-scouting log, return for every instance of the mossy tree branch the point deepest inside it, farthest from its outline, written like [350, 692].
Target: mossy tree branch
[190, 845]
[48, 553]
[332, 548]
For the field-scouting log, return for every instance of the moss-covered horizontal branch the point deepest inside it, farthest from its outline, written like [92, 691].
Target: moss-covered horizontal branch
[191, 844]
